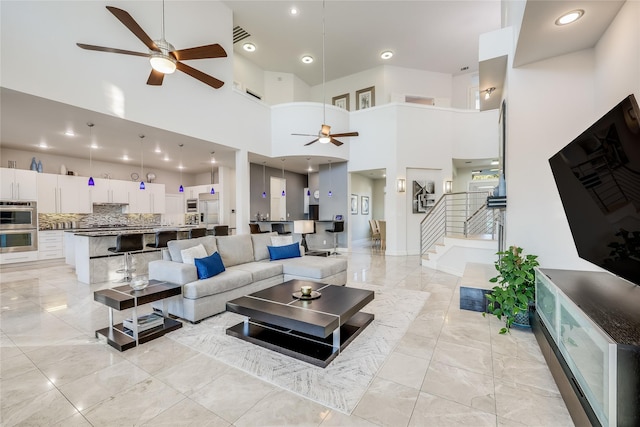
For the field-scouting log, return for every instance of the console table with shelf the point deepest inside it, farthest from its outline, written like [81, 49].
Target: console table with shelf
[124, 297]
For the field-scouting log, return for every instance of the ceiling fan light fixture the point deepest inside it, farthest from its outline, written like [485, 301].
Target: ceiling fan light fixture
[164, 64]
[324, 139]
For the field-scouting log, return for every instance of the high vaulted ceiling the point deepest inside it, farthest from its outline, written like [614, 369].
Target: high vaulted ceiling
[440, 36]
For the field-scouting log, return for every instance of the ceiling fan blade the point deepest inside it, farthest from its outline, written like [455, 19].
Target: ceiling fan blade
[199, 75]
[155, 78]
[309, 143]
[303, 134]
[200, 52]
[344, 134]
[132, 25]
[111, 50]
[335, 142]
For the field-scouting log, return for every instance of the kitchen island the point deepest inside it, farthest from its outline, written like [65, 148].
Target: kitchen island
[88, 251]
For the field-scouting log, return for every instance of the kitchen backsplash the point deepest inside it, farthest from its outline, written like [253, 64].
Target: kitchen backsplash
[103, 215]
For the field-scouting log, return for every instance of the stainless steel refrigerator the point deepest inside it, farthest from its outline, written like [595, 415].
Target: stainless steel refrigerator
[209, 209]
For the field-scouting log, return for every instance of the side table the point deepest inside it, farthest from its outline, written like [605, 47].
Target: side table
[122, 298]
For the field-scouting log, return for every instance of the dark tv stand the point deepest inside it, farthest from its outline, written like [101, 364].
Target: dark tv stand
[588, 327]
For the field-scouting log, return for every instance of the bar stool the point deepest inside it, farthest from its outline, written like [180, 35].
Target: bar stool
[255, 228]
[197, 232]
[338, 227]
[279, 228]
[125, 244]
[162, 237]
[221, 230]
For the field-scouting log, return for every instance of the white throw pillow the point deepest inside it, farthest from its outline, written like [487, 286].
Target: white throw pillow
[189, 255]
[281, 240]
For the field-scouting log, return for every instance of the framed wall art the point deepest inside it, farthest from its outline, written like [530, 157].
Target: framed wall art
[354, 204]
[364, 205]
[366, 98]
[341, 101]
[424, 197]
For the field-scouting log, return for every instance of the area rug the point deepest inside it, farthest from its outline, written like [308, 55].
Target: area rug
[339, 386]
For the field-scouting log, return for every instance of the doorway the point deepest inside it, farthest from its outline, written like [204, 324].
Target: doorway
[278, 209]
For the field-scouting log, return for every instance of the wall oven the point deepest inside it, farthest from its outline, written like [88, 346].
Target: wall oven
[18, 226]
[18, 215]
[192, 205]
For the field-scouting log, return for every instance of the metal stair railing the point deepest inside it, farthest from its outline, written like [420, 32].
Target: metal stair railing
[456, 214]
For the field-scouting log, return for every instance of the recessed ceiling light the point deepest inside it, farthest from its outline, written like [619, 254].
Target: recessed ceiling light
[43, 145]
[387, 54]
[293, 11]
[166, 158]
[307, 59]
[249, 47]
[94, 145]
[158, 150]
[570, 17]
[125, 157]
[495, 162]
[70, 133]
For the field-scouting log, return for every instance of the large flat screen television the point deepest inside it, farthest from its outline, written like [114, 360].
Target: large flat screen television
[598, 179]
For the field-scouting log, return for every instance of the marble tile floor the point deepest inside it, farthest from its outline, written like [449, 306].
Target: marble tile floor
[451, 368]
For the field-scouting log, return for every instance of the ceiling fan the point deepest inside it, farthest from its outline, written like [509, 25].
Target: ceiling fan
[325, 136]
[164, 58]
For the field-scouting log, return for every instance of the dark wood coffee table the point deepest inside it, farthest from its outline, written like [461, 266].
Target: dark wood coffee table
[122, 298]
[314, 331]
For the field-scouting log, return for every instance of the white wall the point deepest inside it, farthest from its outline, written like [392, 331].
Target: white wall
[540, 122]
[460, 89]
[249, 76]
[377, 199]
[359, 223]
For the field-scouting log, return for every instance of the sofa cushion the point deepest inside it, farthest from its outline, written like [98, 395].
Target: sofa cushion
[260, 243]
[281, 240]
[313, 267]
[235, 250]
[209, 266]
[175, 246]
[284, 252]
[190, 254]
[227, 280]
[260, 270]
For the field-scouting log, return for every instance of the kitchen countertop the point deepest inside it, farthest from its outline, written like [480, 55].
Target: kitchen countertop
[101, 232]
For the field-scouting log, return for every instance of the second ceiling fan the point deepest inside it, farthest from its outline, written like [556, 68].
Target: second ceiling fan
[164, 58]
[325, 136]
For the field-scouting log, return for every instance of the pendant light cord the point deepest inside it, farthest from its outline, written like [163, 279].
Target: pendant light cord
[324, 99]
[90, 146]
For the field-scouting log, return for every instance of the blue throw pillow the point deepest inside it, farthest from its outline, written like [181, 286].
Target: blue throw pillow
[284, 252]
[209, 266]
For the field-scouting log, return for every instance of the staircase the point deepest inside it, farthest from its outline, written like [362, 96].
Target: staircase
[460, 229]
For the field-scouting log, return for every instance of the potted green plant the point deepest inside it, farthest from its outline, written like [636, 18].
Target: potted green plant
[510, 298]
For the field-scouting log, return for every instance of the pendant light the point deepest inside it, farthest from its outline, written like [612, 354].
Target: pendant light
[213, 160]
[264, 188]
[142, 187]
[181, 189]
[283, 181]
[330, 192]
[90, 183]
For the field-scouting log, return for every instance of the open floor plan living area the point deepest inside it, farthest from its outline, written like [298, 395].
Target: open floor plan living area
[435, 365]
[320, 213]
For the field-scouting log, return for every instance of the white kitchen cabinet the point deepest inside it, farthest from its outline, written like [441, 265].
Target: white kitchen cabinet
[12, 257]
[18, 184]
[50, 244]
[63, 194]
[193, 191]
[112, 191]
[150, 200]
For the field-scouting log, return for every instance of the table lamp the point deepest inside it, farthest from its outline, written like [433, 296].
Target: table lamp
[303, 227]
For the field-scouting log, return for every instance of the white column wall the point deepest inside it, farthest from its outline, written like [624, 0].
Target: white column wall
[550, 103]
[242, 191]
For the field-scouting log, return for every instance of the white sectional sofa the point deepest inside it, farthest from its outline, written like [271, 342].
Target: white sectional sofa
[248, 269]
